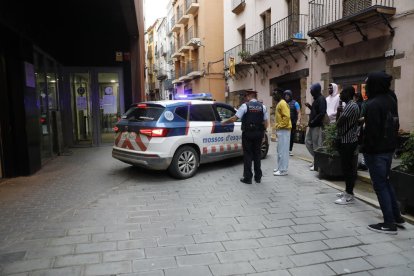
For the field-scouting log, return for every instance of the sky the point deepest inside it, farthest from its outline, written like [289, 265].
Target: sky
[154, 9]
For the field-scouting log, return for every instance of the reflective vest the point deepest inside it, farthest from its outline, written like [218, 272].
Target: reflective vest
[253, 119]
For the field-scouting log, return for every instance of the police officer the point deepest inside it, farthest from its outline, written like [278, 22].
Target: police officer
[254, 123]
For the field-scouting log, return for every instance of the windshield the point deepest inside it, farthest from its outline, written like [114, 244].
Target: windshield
[143, 113]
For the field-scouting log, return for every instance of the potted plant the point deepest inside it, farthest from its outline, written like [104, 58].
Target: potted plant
[402, 176]
[243, 54]
[327, 159]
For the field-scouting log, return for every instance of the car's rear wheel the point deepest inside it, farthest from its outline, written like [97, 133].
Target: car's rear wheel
[184, 163]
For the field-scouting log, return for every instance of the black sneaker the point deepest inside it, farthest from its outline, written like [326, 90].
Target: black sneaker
[245, 181]
[400, 222]
[258, 180]
[383, 228]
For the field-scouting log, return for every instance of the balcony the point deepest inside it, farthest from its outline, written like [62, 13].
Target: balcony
[191, 7]
[177, 28]
[184, 20]
[192, 38]
[237, 6]
[329, 18]
[233, 53]
[193, 69]
[161, 75]
[182, 73]
[282, 39]
[183, 47]
[168, 85]
[181, 17]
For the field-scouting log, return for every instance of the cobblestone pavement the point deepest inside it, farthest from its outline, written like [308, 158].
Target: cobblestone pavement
[87, 214]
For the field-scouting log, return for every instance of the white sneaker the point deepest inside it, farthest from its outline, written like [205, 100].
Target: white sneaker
[275, 170]
[341, 194]
[311, 164]
[279, 173]
[290, 153]
[346, 199]
[312, 168]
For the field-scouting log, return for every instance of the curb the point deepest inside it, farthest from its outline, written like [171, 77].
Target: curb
[372, 202]
[363, 178]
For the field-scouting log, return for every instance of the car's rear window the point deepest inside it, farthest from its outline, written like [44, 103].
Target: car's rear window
[142, 112]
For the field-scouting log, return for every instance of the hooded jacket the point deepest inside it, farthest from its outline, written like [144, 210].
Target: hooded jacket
[381, 115]
[318, 109]
[332, 103]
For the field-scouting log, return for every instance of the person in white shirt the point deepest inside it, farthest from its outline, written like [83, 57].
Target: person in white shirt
[332, 102]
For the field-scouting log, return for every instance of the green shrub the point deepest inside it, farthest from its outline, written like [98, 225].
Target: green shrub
[407, 157]
[330, 134]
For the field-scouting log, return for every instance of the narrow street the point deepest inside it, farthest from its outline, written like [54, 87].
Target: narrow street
[88, 214]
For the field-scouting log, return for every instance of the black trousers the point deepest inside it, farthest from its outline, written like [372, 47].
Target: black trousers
[252, 141]
[292, 136]
[349, 167]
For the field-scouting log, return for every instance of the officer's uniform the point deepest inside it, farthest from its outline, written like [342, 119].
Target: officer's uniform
[253, 115]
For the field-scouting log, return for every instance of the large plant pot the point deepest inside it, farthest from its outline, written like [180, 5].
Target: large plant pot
[403, 183]
[329, 165]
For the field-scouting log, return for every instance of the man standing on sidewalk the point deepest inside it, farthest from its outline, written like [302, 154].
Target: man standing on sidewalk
[378, 146]
[347, 130]
[332, 102]
[283, 126]
[313, 138]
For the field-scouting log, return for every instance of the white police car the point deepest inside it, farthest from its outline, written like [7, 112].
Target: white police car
[178, 135]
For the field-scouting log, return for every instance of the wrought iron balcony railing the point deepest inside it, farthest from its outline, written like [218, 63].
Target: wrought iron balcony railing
[192, 66]
[233, 53]
[180, 13]
[190, 34]
[180, 42]
[324, 12]
[294, 26]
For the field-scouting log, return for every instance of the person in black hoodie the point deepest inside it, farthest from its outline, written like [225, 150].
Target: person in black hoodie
[313, 138]
[378, 145]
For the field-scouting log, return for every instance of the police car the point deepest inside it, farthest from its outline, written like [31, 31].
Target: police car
[178, 135]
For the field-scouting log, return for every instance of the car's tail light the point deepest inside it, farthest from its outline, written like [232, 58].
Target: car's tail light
[154, 132]
[142, 105]
[116, 129]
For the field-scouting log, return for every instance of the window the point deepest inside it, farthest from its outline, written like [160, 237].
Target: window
[201, 113]
[182, 111]
[147, 113]
[242, 31]
[225, 113]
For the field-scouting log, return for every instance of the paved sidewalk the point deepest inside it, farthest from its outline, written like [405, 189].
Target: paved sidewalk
[88, 214]
[363, 186]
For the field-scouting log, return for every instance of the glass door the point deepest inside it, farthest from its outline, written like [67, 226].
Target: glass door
[110, 108]
[97, 103]
[80, 86]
